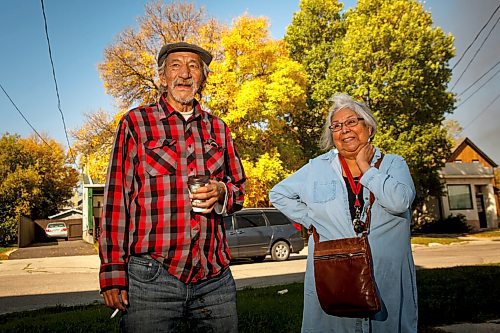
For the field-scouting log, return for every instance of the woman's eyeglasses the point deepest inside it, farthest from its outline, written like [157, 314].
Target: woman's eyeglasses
[351, 122]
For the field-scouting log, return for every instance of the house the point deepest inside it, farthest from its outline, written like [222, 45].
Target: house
[469, 185]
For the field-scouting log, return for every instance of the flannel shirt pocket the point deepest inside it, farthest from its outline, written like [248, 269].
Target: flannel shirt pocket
[214, 158]
[161, 157]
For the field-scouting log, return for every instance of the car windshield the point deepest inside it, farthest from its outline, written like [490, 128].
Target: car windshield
[56, 225]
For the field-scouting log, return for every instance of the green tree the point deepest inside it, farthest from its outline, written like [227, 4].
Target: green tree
[34, 181]
[310, 39]
[397, 62]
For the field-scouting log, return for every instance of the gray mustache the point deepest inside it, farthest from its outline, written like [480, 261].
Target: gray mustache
[188, 82]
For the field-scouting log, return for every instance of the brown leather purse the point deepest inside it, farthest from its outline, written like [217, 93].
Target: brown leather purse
[343, 271]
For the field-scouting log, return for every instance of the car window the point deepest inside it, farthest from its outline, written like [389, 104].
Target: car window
[228, 222]
[56, 225]
[277, 218]
[250, 220]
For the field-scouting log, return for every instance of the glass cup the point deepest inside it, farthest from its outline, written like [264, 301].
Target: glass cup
[195, 182]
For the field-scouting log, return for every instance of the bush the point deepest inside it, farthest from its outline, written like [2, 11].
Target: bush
[450, 225]
[8, 231]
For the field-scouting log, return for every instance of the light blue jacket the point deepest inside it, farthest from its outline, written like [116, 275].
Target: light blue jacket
[317, 195]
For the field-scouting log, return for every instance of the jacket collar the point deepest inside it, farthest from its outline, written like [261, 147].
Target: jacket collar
[165, 110]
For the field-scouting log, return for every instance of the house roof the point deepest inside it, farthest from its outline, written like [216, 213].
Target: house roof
[65, 212]
[467, 142]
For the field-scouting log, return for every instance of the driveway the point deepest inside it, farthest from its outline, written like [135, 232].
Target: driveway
[59, 248]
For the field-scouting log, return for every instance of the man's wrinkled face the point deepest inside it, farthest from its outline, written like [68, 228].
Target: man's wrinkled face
[182, 76]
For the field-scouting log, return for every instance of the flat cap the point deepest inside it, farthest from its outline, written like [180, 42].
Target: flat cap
[183, 47]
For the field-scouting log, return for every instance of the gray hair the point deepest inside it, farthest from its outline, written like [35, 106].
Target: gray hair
[206, 71]
[344, 101]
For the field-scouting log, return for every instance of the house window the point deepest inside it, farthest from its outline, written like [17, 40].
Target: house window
[459, 197]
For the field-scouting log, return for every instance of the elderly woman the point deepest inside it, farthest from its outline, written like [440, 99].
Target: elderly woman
[321, 195]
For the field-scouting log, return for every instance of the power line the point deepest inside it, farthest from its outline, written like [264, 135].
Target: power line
[480, 113]
[475, 38]
[475, 54]
[470, 86]
[475, 91]
[55, 82]
[22, 115]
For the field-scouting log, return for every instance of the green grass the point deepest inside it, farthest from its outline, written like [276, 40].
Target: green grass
[5, 250]
[487, 234]
[445, 239]
[445, 295]
[467, 293]
[441, 240]
[264, 310]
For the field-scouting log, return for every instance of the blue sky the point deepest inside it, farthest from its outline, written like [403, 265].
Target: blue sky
[80, 30]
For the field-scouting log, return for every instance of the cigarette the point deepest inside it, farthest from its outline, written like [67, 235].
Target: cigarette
[114, 313]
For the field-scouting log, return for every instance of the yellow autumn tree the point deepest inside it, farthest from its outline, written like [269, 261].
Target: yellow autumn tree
[262, 175]
[259, 91]
[129, 67]
[93, 142]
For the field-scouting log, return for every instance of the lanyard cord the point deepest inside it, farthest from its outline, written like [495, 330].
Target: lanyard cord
[355, 187]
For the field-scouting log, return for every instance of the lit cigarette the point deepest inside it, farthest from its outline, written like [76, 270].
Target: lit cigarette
[114, 313]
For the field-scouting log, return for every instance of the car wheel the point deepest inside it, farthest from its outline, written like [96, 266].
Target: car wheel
[280, 251]
[259, 258]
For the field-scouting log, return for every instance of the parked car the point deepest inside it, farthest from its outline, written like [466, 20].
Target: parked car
[256, 232]
[56, 230]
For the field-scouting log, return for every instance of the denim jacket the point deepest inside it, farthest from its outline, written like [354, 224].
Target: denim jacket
[317, 195]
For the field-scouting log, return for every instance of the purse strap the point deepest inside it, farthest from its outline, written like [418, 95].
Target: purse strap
[312, 229]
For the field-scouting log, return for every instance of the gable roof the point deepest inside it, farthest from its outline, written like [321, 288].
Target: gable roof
[467, 142]
[66, 212]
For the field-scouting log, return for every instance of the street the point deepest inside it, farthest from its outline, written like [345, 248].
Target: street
[27, 284]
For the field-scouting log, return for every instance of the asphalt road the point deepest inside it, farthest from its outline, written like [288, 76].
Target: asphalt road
[27, 284]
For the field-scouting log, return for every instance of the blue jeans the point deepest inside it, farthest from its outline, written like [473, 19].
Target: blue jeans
[159, 302]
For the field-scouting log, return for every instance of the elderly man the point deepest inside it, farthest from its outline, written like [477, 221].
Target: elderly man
[164, 255]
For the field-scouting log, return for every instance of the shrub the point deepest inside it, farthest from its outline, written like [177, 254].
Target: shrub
[450, 225]
[8, 231]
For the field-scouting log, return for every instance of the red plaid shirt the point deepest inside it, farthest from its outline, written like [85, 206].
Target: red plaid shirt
[146, 204]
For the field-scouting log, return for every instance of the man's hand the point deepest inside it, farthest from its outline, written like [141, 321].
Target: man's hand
[116, 299]
[211, 193]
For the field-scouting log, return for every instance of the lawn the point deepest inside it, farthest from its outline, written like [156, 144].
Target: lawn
[487, 234]
[445, 239]
[425, 240]
[5, 250]
[445, 295]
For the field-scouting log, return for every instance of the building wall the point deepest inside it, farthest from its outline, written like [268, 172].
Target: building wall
[86, 230]
[26, 231]
[469, 155]
[480, 178]
[93, 196]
